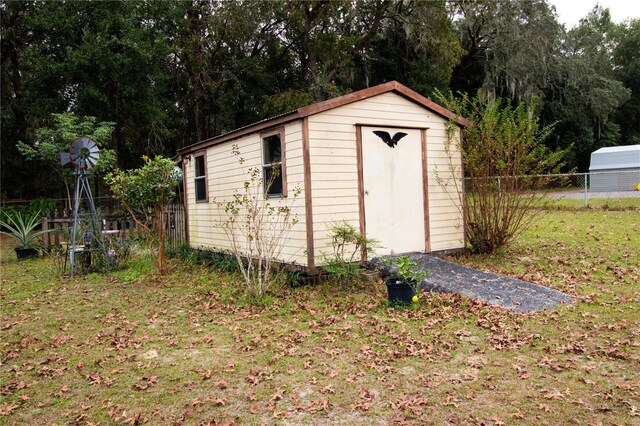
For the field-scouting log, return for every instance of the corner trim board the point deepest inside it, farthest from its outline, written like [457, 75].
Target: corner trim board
[185, 200]
[362, 218]
[464, 191]
[425, 191]
[308, 203]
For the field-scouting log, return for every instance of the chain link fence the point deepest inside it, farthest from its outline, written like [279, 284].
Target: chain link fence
[576, 189]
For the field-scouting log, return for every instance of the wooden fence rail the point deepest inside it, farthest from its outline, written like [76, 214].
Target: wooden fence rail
[176, 225]
[60, 222]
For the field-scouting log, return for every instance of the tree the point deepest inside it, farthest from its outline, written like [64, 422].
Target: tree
[583, 93]
[510, 47]
[103, 59]
[416, 45]
[501, 149]
[475, 26]
[118, 71]
[626, 59]
[65, 128]
[171, 73]
[32, 88]
[518, 51]
[145, 193]
[328, 38]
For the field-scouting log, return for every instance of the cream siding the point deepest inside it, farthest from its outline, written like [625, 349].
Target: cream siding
[444, 171]
[332, 136]
[334, 176]
[225, 175]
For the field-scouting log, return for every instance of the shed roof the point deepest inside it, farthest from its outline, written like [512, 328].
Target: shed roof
[616, 157]
[392, 86]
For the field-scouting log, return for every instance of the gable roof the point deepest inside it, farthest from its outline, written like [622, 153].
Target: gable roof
[392, 86]
[616, 157]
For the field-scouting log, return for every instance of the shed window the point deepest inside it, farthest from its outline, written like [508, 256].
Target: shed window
[200, 178]
[272, 165]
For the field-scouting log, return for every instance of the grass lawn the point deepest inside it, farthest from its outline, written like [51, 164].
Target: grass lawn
[135, 348]
[563, 203]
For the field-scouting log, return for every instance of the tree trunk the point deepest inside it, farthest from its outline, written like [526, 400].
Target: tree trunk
[160, 230]
[15, 77]
[200, 118]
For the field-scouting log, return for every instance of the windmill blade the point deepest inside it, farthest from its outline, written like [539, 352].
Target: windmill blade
[74, 150]
[83, 153]
[92, 160]
[86, 143]
[92, 153]
[65, 158]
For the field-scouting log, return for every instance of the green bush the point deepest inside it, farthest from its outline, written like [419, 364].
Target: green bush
[504, 144]
[349, 247]
[225, 262]
[145, 193]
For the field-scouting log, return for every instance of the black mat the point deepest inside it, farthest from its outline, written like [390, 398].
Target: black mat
[507, 292]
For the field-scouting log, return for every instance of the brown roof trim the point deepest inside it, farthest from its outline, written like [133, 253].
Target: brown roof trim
[429, 104]
[392, 86]
[242, 131]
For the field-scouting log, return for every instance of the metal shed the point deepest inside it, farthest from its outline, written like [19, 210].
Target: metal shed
[615, 168]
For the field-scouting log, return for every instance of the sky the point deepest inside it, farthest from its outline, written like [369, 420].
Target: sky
[571, 11]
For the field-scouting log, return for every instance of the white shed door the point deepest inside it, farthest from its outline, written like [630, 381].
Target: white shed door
[393, 189]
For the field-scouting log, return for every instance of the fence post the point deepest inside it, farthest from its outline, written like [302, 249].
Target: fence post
[45, 227]
[586, 189]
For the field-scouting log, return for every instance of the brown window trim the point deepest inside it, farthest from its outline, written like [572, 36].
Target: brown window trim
[203, 177]
[283, 163]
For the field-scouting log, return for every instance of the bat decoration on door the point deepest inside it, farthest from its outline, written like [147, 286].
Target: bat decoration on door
[386, 137]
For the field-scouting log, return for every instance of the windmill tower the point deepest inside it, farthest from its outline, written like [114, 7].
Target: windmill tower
[86, 232]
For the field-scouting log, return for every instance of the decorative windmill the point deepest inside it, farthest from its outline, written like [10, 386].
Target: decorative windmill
[83, 154]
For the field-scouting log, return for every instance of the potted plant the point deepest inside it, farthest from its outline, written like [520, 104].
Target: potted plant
[402, 286]
[20, 227]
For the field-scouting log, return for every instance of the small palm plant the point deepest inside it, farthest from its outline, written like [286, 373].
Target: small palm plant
[20, 227]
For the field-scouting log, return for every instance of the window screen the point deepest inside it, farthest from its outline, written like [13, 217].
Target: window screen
[272, 165]
[200, 179]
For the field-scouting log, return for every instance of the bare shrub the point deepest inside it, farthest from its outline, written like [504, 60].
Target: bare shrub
[500, 150]
[257, 227]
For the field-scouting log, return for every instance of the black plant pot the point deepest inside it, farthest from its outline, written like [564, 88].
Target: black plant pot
[26, 253]
[399, 292]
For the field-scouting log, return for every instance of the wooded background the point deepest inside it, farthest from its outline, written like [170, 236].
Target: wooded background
[169, 74]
